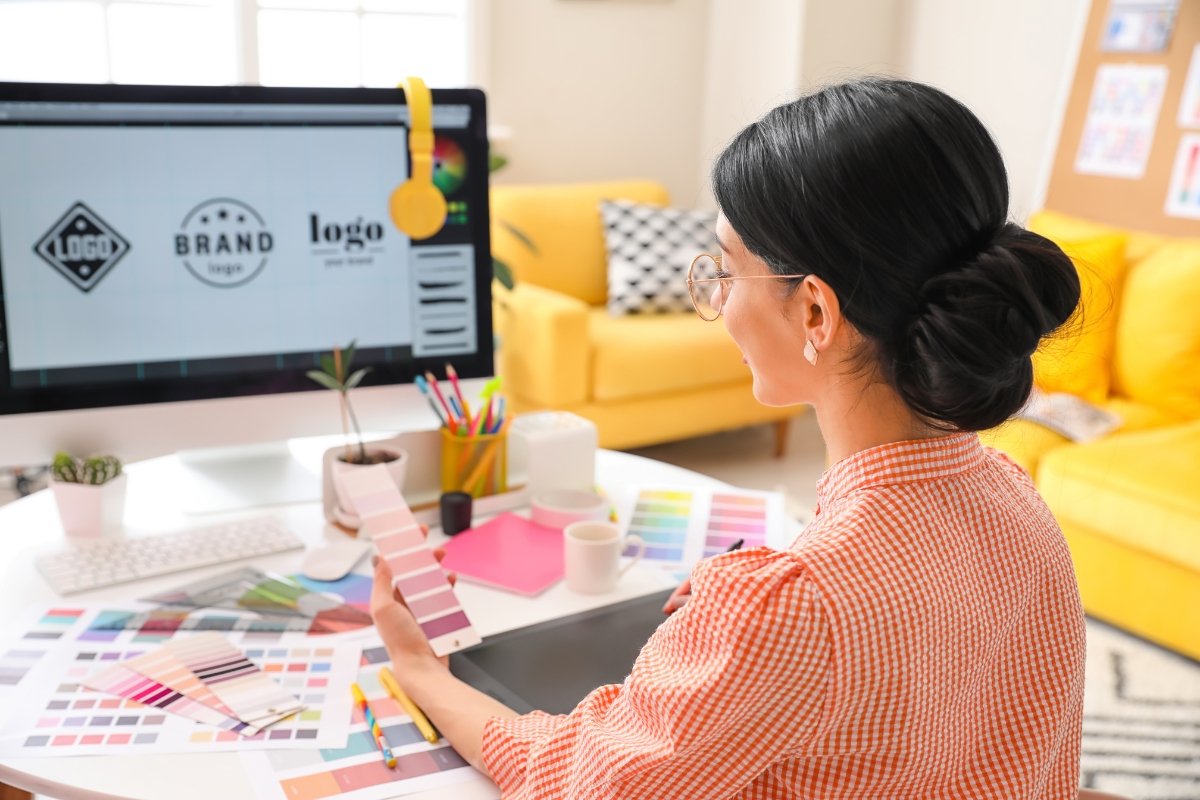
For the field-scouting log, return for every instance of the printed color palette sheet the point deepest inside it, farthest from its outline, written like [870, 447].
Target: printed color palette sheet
[416, 573]
[357, 771]
[50, 711]
[682, 525]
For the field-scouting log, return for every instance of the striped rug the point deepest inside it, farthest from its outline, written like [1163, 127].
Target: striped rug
[1141, 725]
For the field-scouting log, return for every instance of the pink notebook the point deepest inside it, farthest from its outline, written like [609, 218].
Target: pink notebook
[508, 552]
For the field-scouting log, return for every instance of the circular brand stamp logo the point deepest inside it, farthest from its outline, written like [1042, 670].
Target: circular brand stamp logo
[224, 242]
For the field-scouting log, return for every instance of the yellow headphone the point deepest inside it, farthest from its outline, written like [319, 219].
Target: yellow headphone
[417, 207]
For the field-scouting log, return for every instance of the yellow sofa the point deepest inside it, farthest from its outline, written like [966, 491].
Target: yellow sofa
[643, 379]
[1129, 503]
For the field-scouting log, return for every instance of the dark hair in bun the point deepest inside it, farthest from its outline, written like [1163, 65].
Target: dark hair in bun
[894, 194]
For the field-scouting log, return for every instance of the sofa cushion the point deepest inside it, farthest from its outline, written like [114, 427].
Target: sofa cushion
[649, 251]
[1076, 358]
[1066, 228]
[1157, 351]
[644, 355]
[1027, 442]
[552, 236]
[1139, 489]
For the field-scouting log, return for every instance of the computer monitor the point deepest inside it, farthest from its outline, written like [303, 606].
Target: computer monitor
[174, 259]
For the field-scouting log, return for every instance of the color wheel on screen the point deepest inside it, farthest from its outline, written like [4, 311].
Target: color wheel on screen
[449, 165]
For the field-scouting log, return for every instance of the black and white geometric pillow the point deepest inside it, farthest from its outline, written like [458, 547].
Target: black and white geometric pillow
[649, 252]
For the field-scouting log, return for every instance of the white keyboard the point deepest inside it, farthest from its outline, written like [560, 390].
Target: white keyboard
[110, 561]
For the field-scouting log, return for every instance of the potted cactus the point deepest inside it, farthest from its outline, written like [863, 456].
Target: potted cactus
[90, 493]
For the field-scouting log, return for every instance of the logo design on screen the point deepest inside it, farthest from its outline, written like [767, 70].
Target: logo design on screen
[224, 242]
[82, 247]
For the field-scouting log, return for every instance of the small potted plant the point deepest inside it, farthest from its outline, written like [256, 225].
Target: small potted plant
[90, 493]
[335, 374]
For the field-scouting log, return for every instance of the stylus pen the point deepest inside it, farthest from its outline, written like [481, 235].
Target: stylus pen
[373, 726]
[736, 545]
[418, 717]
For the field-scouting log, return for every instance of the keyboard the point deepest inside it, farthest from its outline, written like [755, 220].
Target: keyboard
[111, 561]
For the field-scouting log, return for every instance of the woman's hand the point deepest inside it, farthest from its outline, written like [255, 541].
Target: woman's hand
[678, 597]
[402, 636]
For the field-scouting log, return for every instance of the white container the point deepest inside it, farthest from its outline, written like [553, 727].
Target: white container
[592, 556]
[88, 511]
[553, 450]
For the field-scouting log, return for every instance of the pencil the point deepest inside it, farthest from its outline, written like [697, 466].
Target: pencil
[418, 717]
[452, 374]
[373, 726]
[433, 384]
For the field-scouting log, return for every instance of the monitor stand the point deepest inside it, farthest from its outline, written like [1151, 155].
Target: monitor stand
[218, 479]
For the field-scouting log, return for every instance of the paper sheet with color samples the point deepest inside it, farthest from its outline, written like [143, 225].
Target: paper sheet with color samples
[681, 524]
[50, 712]
[357, 771]
[416, 573]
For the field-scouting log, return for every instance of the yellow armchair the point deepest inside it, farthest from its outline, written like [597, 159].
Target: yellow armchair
[643, 379]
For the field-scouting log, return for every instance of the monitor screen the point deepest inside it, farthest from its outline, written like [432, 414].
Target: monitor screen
[182, 243]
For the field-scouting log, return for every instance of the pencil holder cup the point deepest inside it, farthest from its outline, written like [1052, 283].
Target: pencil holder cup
[477, 465]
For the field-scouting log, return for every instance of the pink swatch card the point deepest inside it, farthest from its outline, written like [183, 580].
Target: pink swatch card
[508, 552]
[124, 682]
[399, 541]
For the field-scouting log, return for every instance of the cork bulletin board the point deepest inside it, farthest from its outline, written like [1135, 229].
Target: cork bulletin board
[1137, 201]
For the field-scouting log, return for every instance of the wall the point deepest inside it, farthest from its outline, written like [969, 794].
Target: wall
[599, 89]
[1011, 62]
[596, 90]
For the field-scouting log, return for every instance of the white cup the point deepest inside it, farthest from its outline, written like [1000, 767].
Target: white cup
[593, 555]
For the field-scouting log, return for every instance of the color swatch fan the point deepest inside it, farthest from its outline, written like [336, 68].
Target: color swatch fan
[203, 678]
[416, 573]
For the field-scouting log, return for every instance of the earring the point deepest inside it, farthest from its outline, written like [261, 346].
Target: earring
[810, 353]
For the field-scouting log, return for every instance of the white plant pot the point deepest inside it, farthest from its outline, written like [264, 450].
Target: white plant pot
[89, 511]
[337, 505]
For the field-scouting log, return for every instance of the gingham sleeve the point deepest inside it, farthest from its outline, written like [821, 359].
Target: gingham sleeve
[728, 685]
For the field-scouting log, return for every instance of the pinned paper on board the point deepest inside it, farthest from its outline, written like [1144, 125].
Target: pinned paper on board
[1122, 116]
[1183, 196]
[1139, 26]
[1189, 101]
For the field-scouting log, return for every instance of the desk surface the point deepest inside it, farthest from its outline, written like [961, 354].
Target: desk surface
[30, 526]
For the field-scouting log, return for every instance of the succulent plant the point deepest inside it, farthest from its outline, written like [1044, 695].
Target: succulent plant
[93, 471]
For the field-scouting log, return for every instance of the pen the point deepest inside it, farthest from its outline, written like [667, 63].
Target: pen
[423, 385]
[433, 384]
[736, 545]
[373, 724]
[418, 717]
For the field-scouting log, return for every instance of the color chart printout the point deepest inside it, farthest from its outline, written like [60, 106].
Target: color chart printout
[416, 573]
[52, 712]
[357, 771]
[682, 525]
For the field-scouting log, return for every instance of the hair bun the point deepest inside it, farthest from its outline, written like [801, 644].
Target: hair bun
[964, 358]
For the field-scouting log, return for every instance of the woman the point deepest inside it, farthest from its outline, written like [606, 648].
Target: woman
[923, 637]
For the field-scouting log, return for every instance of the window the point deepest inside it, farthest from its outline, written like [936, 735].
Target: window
[273, 42]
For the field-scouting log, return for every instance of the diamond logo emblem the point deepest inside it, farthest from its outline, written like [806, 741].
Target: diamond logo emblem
[82, 247]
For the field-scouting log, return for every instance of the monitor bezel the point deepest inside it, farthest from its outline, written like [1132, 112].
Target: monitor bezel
[166, 390]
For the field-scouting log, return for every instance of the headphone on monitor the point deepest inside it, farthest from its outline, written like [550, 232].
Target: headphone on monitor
[417, 207]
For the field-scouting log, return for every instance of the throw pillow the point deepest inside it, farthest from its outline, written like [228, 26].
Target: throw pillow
[1077, 358]
[649, 252]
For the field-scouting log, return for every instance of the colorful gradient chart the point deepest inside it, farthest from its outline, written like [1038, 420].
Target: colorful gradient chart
[54, 713]
[356, 771]
[449, 165]
[682, 525]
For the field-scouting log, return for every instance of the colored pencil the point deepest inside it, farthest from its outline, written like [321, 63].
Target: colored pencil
[433, 384]
[373, 724]
[418, 717]
[452, 374]
[423, 385]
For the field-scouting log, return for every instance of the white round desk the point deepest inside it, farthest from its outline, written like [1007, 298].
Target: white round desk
[30, 526]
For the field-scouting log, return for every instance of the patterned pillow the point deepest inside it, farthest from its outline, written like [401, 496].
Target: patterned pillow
[649, 251]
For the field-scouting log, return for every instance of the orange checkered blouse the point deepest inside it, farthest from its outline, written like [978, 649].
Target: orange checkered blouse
[922, 638]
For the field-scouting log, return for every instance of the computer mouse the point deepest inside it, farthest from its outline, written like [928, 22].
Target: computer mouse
[334, 558]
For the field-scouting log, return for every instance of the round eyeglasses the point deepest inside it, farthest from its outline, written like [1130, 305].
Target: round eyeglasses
[709, 285]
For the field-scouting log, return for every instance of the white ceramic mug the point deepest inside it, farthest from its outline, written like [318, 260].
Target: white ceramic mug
[592, 550]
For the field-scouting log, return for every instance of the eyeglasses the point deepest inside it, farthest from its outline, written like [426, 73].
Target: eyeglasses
[709, 284]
